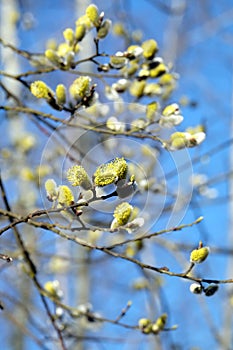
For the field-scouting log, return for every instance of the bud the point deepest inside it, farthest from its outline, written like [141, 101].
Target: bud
[211, 290]
[168, 79]
[80, 32]
[63, 49]
[65, 195]
[150, 47]
[197, 256]
[152, 89]
[52, 56]
[61, 94]
[80, 87]
[114, 124]
[195, 288]
[178, 140]
[51, 190]
[178, 143]
[77, 176]
[130, 69]
[137, 88]
[138, 124]
[68, 34]
[145, 325]
[104, 29]
[151, 110]
[143, 73]
[159, 324]
[110, 172]
[133, 225]
[85, 21]
[195, 139]
[118, 61]
[103, 67]
[171, 116]
[69, 58]
[199, 219]
[158, 71]
[171, 110]
[121, 85]
[122, 214]
[53, 288]
[92, 13]
[134, 51]
[40, 90]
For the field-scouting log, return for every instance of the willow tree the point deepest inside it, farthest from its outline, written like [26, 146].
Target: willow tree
[91, 170]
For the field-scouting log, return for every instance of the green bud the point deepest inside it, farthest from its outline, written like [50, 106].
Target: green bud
[150, 47]
[145, 325]
[158, 71]
[92, 13]
[118, 61]
[151, 110]
[152, 89]
[51, 190]
[61, 94]
[178, 143]
[80, 32]
[134, 51]
[143, 322]
[68, 34]
[197, 256]
[85, 21]
[52, 56]
[137, 88]
[65, 195]
[167, 79]
[171, 109]
[104, 29]
[159, 324]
